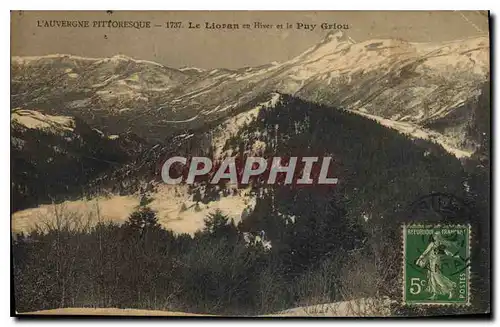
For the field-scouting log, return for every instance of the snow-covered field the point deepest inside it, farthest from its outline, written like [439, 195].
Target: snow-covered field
[364, 307]
[175, 210]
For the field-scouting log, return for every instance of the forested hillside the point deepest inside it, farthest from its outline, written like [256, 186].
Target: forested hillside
[53, 162]
[328, 243]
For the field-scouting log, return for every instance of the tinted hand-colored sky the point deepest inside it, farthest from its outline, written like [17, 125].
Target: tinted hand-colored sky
[207, 48]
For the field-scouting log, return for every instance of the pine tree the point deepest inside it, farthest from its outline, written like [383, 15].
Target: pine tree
[143, 218]
[215, 222]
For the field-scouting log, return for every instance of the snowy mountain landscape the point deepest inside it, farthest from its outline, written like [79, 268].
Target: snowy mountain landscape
[89, 135]
[423, 90]
[425, 86]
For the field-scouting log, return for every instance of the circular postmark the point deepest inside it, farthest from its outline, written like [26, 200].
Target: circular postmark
[439, 208]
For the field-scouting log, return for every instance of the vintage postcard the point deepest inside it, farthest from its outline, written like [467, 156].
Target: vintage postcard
[250, 163]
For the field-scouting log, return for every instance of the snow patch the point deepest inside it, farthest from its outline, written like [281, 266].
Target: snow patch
[199, 70]
[181, 121]
[36, 120]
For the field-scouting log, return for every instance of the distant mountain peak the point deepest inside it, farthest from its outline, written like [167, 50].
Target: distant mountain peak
[122, 57]
[410, 82]
[337, 36]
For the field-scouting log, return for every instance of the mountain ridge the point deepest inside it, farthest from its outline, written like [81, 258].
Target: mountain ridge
[414, 83]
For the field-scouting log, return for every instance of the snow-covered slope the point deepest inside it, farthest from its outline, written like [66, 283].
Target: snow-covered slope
[175, 209]
[416, 83]
[174, 205]
[364, 307]
[232, 125]
[414, 131]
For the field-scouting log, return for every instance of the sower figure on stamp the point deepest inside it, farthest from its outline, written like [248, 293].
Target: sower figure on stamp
[437, 283]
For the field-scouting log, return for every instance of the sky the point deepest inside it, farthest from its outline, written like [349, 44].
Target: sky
[220, 48]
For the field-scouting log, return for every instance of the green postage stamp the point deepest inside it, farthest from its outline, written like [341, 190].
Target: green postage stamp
[436, 264]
